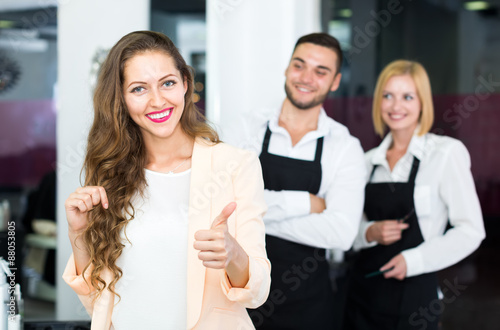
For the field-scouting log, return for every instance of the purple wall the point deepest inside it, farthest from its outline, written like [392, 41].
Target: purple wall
[474, 119]
[27, 141]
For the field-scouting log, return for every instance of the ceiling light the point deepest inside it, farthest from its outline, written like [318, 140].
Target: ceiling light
[346, 13]
[476, 5]
[6, 24]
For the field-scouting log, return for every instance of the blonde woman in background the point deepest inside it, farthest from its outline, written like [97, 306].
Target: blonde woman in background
[417, 181]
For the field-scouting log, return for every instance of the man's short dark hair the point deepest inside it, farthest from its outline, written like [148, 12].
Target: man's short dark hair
[325, 40]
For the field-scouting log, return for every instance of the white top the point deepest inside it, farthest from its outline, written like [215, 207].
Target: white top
[342, 186]
[444, 189]
[154, 263]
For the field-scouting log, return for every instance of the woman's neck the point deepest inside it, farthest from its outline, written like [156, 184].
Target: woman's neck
[165, 154]
[398, 147]
[401, 140]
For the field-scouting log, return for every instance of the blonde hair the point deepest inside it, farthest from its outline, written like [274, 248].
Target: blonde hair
[417, 72]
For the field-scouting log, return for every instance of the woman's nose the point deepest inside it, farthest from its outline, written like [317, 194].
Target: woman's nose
[397, 104]
[157, 99]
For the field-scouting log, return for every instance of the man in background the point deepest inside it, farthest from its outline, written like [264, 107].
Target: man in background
[314, 176]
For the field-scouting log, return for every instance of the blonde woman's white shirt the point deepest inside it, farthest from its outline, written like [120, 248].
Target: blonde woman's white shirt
[444, 189]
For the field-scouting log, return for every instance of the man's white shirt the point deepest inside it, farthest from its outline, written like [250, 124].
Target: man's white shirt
[342, 185]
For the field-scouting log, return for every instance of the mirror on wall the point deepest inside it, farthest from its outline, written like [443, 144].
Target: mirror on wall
[28, 76]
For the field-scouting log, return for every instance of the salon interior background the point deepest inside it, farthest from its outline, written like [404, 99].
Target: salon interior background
[457, 41]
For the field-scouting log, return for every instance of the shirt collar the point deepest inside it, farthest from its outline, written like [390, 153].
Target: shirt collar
[416, 147]
[322, 130]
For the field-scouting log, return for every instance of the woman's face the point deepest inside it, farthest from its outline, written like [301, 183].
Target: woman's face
[154, 91]
[401, 106]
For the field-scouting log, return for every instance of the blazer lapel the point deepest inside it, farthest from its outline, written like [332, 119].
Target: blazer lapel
[200, 217]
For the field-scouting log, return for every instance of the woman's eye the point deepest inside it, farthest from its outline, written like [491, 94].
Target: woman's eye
[137, 89]
[386, 96]
[169, 83]
[408, 97]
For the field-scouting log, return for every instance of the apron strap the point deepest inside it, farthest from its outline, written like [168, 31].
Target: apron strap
[373, 171]
[319, 150]
[414, 169]
[413, 174]
[267, 137]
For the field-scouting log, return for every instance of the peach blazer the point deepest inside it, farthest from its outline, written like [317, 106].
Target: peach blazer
[219, 174]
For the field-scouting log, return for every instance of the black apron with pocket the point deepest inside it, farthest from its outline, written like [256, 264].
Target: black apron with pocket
[301, 296]
[376, 302]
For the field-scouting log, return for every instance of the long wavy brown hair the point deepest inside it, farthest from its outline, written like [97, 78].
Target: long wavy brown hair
[116, 155]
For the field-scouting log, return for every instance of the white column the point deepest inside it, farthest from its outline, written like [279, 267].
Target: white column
[83, 27]
[249, 44]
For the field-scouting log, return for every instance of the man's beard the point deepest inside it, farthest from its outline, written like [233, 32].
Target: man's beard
[302, 105]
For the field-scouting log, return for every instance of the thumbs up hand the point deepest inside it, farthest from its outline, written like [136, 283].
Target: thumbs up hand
[216, 245]
[220, 250]
[221, 221]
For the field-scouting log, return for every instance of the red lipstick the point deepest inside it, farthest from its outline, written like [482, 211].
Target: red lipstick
[160, 116]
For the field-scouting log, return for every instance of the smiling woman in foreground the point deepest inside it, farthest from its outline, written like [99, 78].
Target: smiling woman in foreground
[167, 231]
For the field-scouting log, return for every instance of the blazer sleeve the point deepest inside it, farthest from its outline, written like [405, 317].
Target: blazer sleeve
[248, 189]
[99, 308]
[82, 288]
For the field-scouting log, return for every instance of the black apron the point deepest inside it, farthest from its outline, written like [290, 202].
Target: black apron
[376, 302]
[301, 295]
